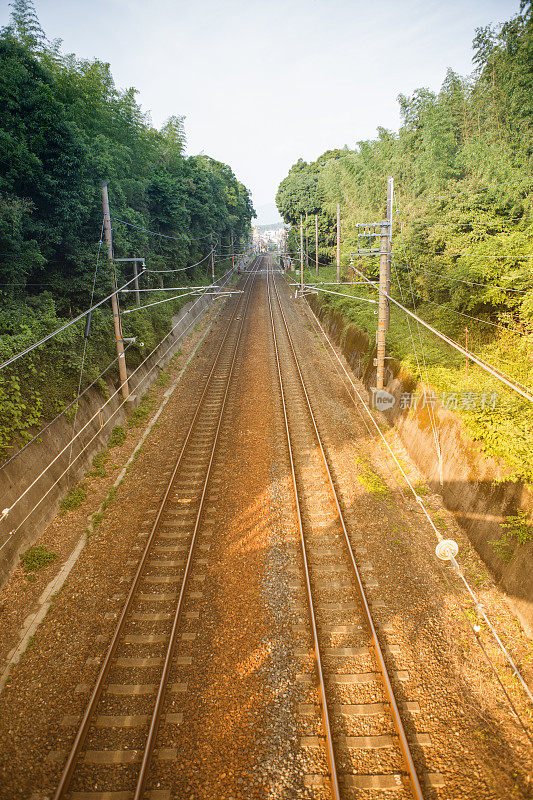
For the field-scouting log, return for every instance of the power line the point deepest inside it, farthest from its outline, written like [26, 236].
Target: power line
[340, 294]
[489, 368]
[180, 269]
[63, 412]
[471, 283]
[5, 512]
[158, 302]
[420, 501]
[162, 235]
[513, 383]
[59, 330]
[163, 289]
[473, 255]
[477, 319]
[468, 353]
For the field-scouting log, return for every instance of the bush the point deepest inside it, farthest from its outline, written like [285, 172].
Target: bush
[36, 558]
[73, 499]
[118, 436]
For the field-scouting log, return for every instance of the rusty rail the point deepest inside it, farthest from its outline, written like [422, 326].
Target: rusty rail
[394, 710]
[72, 759]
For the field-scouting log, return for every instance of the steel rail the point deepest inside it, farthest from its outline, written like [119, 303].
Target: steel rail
[158, 706]
[395, 714]
[83, 728]
[330, 753]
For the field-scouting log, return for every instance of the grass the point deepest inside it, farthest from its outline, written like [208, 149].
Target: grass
[496, 417]
[99, 462]
[73, 499]
[99, 515]
[516, 531]
[370, 479]
[163, 379]
[36, 558]
[118, 436]
[143, 410]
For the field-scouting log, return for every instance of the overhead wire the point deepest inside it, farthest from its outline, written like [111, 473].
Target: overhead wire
[512, 383]
[6, 511]
[163, 289]
[420, 501]
[475, 255]
[81, 316]
[477, 319]
[180, 269]
[162, 235]
[62, 328]
[86, 337]
[64, 411]
[159, 302]
[471, 283]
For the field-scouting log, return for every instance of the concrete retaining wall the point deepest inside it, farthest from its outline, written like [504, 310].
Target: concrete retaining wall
[29, 522]
[474, 486]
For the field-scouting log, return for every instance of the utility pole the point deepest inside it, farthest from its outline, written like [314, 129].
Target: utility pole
[466, 348]
[384, 286]
[212, 264]
[301, 254]
[306, 244]
[114, 298]
[390, 199]
[338, 242]
[316, 245]
[136, 284]
[232, 252]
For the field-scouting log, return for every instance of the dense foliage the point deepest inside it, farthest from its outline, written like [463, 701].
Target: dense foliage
[64, 127]
[462, 163]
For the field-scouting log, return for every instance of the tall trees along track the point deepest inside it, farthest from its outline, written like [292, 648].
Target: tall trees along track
[256, 653]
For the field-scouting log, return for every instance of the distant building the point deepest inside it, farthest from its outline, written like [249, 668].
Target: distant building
[268, 237]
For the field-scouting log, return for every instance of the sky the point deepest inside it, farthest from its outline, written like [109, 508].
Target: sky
[265, 82]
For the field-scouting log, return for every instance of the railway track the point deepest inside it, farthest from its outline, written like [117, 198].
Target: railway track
[133, 694]
[353, 722]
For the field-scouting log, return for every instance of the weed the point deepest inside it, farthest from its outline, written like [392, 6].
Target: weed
[163, 379]
[99, 515]
[36, 558]
[73, 499]
[517, 531]
[369, 479]
[53, 598]
[99, 461]
[142, 412]
[102, 388]
[471, 615]
[118, 436]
